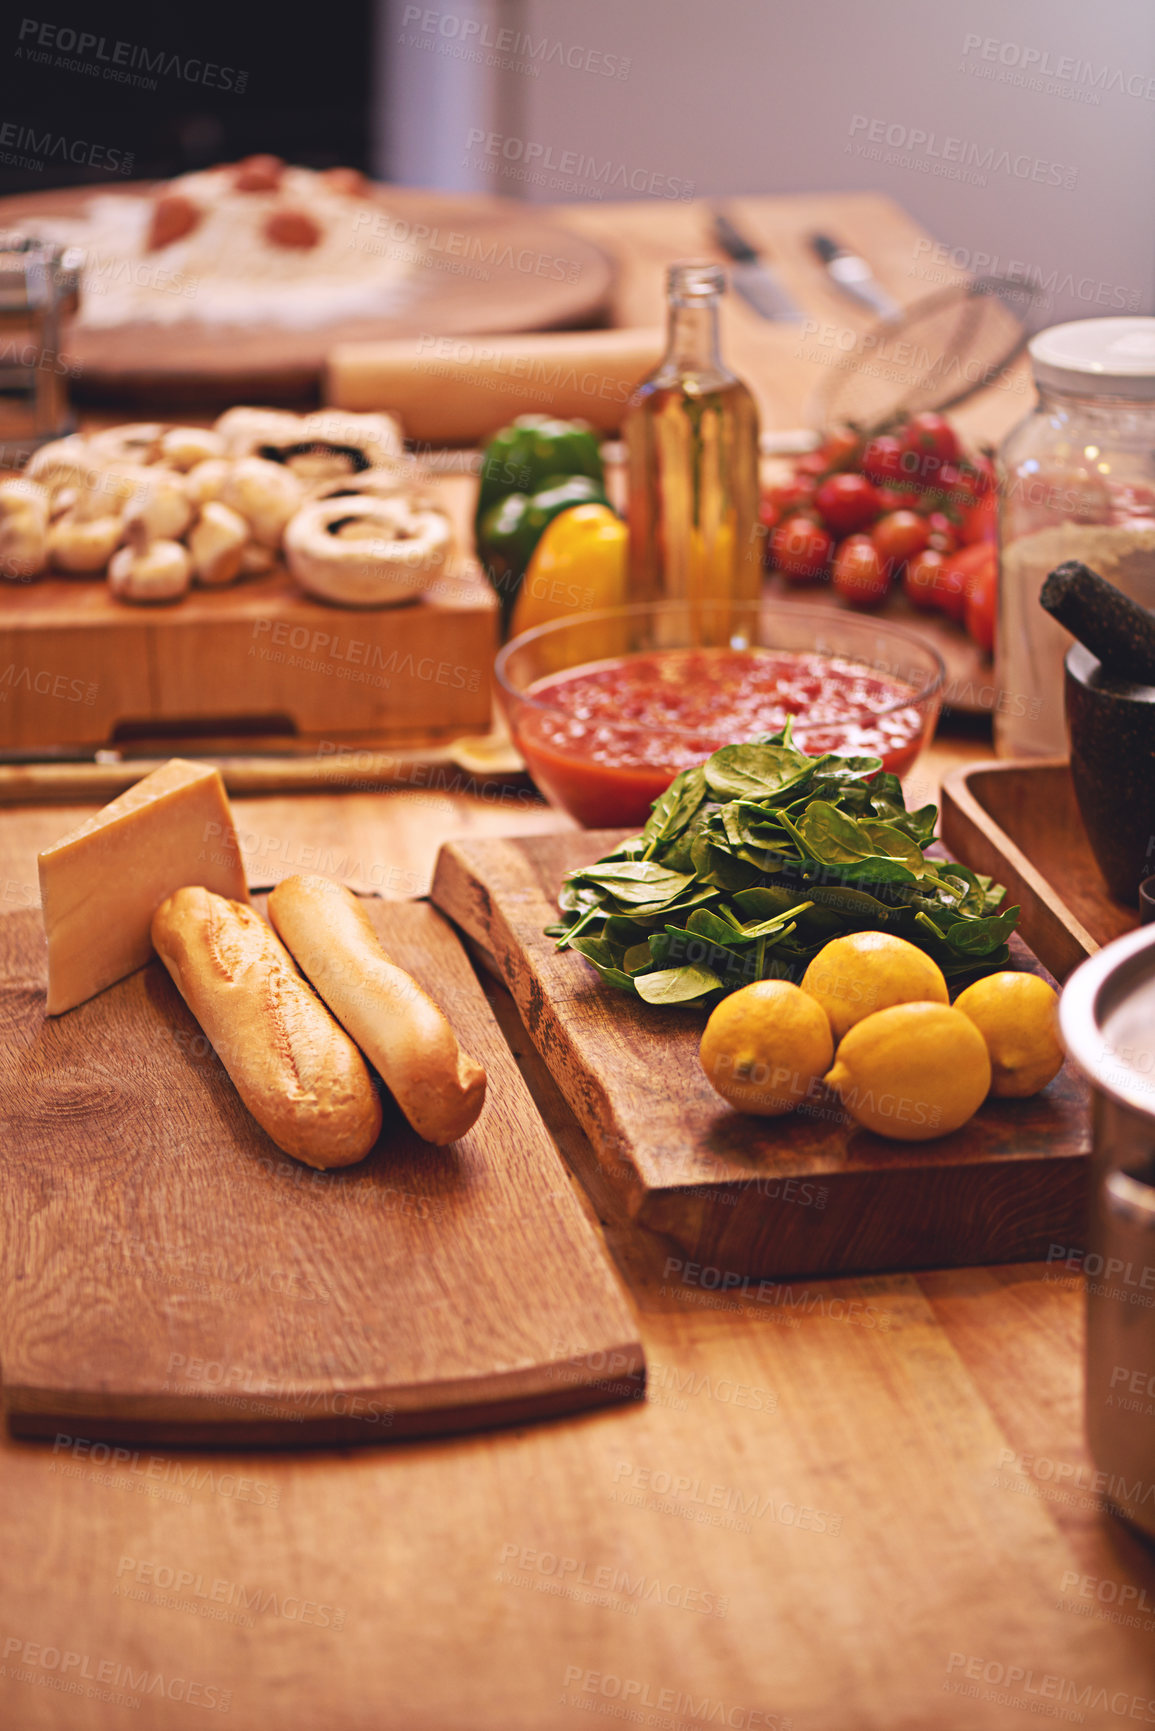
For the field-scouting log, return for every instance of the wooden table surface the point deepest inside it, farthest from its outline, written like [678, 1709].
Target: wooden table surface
[859, 1505]
[849, 1504]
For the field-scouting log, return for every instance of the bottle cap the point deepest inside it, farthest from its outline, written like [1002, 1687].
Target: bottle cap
[1098, 357]
[692, 281]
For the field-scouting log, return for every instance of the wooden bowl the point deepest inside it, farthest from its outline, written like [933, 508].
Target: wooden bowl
[1112, 730]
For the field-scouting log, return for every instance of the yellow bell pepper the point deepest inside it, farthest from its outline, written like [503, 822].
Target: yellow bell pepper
[578, 566]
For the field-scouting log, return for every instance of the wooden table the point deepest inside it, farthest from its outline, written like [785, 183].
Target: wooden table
[862, 1505]
[842, 1505]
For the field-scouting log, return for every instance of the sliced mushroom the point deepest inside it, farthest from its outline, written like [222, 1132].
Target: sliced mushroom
[184, 447]
[243, 429]
[84, 543]
[150, 571]
[366, 552]
[383, 483]
[265, 494]
[217, 543]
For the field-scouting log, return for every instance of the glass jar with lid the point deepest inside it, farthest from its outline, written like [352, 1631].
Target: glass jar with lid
[1077, 482]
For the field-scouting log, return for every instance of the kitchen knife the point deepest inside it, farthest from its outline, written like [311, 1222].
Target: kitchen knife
[854, 277]
[752, 276]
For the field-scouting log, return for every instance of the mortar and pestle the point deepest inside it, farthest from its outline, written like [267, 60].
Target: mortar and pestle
[1110, 702]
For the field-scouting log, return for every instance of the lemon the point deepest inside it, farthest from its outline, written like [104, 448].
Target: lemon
[765, 1046]
[1017, 1016]
[912, 1071]
[864, 972]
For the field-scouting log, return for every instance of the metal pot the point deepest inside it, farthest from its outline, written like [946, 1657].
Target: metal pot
[1107, 1018]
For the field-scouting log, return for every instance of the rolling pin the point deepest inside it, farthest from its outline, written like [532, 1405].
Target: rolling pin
[458, 390]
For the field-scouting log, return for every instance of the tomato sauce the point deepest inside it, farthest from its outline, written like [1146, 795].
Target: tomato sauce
[616, 732]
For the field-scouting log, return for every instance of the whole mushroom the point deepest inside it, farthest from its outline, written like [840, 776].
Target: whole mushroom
[265, 495]
[217, 542]
[23, 529]
[150, 571]
[184, 447]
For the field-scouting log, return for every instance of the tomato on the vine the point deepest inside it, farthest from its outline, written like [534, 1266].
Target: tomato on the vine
[859, 574]
[801, 548]
[921, 578]
[982, 596]
[899, 536]
[981, 521]
[841, 449]
[788, 496]
[847, 503]
[942, 534]
[882, 458]
[928, 435]
[957, 574]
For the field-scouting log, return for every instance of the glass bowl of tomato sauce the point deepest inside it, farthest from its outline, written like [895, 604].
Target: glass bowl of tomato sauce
[607, 707]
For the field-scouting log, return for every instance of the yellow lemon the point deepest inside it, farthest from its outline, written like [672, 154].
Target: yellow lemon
[1017, 1016]
[864, 972]
[913, 1071]
[764, 1047]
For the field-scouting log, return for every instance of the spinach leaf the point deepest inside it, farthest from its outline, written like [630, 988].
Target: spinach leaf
[676, 985]
[755, 771]
[673, 810]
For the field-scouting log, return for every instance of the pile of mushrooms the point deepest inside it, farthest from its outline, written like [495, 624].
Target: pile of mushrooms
[161, 507]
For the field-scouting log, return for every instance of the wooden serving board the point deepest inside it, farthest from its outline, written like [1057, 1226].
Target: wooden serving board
[489, 264]
[78, 667]
[746, 1197]
[1020, 822]
[168, 1275]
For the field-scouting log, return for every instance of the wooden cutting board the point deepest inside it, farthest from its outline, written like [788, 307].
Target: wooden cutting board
[488, 264]
[748, 1197]
[78, 667]
[167, 1275]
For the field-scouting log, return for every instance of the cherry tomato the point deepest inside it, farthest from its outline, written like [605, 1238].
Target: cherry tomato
[813, 463]
[981, 521]
[841, 449]
[882, 458]
[859, 574]
[801, 548]
[982, 596]
[847, 503]
[899, 537]
[929, 435]
[901, 499]
[921, 577]
[942, 533]
[789, 495]
[958, 573]
[986, 477]
[769, 512]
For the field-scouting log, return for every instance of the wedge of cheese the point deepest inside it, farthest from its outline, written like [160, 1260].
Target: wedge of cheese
[101, 884]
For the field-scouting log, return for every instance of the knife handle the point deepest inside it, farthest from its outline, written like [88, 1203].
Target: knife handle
[824, 248]
[734, 245]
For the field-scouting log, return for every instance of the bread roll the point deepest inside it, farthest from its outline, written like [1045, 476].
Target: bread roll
[300, 1076]
[401, 1031]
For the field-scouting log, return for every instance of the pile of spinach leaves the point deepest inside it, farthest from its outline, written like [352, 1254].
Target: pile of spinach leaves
[754, 860]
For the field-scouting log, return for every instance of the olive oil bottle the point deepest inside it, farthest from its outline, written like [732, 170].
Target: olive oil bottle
[691, 434]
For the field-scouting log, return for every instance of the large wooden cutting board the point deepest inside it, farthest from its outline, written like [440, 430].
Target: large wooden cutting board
[488, 264]
[167, 1275]
[748, 1197]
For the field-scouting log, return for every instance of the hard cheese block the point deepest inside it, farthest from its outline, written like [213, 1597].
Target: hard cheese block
[102, 883]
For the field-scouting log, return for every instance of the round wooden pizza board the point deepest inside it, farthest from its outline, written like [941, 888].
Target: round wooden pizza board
[490, 265]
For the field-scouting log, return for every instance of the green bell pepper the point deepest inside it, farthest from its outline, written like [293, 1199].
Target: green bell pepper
[511, 528]
[522, 457]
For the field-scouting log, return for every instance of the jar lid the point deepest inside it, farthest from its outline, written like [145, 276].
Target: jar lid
[1098, 357]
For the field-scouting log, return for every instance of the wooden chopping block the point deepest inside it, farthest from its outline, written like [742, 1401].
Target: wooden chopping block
[457, 390]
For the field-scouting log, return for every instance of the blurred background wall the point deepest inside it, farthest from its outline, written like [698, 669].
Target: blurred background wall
[1021, 136]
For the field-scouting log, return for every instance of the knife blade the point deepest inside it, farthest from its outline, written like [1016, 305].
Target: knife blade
[752, 277]
[854, 277]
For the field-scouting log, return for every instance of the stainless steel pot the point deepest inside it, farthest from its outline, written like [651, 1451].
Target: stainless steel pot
[1107, 1017]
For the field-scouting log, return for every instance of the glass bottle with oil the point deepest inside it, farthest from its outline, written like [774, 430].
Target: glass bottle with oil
[691, 434]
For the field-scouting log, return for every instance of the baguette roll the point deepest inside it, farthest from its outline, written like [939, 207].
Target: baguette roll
[440, 1089]
[299, 1074]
